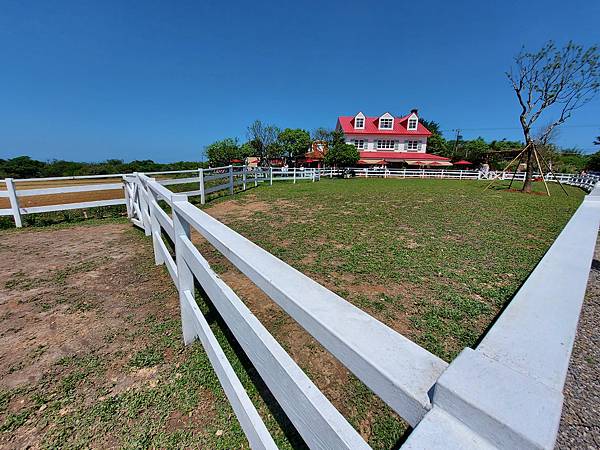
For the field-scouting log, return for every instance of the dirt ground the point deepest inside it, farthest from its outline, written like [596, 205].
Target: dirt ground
[57, 199]
[87, 322]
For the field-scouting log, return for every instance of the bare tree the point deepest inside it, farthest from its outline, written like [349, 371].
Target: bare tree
[552, 80]
[262, 137]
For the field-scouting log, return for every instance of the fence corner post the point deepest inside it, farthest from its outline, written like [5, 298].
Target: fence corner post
[231, 179]
[185, 277]
[143, 196]
[155, 226]
[14, 201]
[201, 183]
[127, 197]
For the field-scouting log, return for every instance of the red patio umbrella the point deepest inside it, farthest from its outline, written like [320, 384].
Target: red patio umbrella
[235, 161]
[435, 163]
[462, 162]
[418, 163]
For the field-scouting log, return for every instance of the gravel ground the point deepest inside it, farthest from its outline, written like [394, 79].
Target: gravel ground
[580, 423]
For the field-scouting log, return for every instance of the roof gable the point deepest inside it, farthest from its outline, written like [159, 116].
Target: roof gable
[346, 124]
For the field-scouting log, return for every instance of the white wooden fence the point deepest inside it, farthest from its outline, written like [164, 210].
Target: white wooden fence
[506, 393]
[227, 178]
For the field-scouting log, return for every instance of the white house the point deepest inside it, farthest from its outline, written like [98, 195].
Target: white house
[389, 140]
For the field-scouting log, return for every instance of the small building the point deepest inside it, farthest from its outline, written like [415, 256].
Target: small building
[389, 140]
[315, 156]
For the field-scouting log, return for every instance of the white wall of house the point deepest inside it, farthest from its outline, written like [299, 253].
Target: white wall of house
[400, 143]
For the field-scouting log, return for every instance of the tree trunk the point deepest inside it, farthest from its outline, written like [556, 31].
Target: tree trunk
[527, 185]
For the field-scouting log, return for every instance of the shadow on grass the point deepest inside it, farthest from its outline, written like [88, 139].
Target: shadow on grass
[214, 318]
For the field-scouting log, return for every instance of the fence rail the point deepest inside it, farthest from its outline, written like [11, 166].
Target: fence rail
[233, 176]
[506, 393]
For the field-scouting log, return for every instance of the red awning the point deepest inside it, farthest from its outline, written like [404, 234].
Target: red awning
[462, 162]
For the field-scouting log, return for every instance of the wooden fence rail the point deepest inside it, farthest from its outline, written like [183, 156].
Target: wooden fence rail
[506, 393]
[232, 177]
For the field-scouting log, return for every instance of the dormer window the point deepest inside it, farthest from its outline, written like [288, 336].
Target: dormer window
[413, 122]
[359, 121]
[386, 123]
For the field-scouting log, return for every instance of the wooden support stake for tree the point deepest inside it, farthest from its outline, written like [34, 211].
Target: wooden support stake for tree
[553, 174]
[514, 174]
[508, 165]
[535, 153]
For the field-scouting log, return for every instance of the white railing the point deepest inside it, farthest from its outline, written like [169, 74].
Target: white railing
[227, 178]
[400, 372]
[14, 194]
[506, 393]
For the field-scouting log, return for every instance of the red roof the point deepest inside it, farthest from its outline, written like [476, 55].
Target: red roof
[372, 127]
[402, 155]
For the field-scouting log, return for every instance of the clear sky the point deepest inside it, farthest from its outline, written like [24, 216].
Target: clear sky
[90, 80]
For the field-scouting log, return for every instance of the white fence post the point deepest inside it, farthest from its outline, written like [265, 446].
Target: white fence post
[294, 175]
[155, 226]
[271, 175]
[256, 169]
[143, 196]
[127, 197]
[231, 179]
[313, 175]
[14, 201]
[185, 278]
[201, 182]
[244, 174]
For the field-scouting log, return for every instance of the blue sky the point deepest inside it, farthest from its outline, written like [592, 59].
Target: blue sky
[160, 80]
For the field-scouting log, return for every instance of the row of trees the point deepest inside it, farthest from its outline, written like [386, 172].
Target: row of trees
[497, 153]
[269, 142]
[26, 167]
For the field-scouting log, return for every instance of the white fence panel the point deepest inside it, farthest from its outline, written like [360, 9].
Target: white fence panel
[400, 372]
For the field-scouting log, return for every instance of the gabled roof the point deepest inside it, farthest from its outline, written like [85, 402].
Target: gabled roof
[346, 123]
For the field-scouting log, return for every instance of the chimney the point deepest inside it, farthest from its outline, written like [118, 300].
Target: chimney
[414, 111]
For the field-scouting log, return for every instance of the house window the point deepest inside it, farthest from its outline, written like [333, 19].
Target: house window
[412, 123]
[385, 144]
[359, 122]
[359, 143]
[412, 146]
[386, 123]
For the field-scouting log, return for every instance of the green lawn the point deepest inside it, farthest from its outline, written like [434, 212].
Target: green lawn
[434, 259]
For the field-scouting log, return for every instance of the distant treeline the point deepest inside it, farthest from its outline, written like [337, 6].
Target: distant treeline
[26, 167]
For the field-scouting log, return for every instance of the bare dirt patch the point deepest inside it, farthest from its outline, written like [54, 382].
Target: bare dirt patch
[57, 199]
[89, 328]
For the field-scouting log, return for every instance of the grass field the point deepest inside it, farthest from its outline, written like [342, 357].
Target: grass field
[434, 259]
